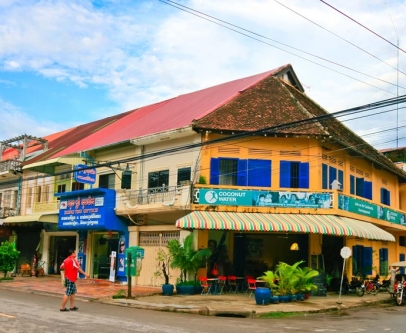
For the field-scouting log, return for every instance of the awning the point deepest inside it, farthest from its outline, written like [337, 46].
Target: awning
[50, 218]
[300, 223]
[48, 166]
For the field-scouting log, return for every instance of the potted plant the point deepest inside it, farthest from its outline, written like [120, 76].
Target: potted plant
[304, 282]
[163, 259]
[287, 279]
[265, 295]
[184, 257]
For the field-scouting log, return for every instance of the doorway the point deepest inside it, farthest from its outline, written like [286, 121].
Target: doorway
[59, 247]
[103, 245]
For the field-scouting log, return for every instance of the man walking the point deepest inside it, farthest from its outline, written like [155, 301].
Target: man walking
[71, 267]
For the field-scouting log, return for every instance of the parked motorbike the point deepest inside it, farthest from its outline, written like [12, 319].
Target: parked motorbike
[356, 286]
[400, 292]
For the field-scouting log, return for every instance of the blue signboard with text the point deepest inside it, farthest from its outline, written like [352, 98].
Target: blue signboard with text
[84, 174]
[89, 209]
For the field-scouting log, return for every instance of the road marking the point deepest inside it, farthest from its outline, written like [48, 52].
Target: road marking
[5, 315]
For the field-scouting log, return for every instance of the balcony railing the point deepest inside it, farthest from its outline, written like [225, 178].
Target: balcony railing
[10, 165]
[152, 195]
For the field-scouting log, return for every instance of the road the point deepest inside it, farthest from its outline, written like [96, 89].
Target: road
[22, 312]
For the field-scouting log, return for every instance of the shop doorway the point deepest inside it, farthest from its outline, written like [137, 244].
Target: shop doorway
[103, 244]
[59, 247]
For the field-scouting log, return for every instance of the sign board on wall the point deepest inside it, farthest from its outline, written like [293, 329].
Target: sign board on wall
[369, 209]
[84, 174]
[262, 198]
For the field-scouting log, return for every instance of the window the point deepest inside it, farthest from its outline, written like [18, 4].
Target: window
[385, 196]
[330, 174]
[362, 260]
[61, 188]
[383, 262]
[37, 194]
[76, 186]
[360, 187]
[294, 174]
[45, 193]
[7, 199]
[29, 197]
[229, 171]
[158, 178]
[184, 175]
[126, 178]
[107, 181]
[402, 241]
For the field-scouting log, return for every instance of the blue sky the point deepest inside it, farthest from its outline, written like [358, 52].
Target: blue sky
[64, 63]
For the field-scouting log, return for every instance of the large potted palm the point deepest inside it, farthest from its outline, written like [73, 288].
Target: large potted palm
[304, 283]
[287, 279]
[188, 260]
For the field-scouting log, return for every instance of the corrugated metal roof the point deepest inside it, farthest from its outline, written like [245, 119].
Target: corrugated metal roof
[170, 114]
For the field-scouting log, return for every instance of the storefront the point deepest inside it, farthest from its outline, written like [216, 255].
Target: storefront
[251, 243]
[103, 236]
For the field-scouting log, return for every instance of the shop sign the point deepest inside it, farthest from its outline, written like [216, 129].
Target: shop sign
[82, 212]
[262, 198]
[84, 174]
[369, 209]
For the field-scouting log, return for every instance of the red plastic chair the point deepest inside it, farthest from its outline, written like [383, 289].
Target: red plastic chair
[206, 285]
[221, 284]
[232, 283]
[252, 286]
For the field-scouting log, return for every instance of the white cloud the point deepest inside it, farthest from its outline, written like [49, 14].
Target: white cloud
[14, 122]
[145, 51]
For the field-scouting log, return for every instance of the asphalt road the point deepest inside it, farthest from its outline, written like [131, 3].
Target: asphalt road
[22, 312]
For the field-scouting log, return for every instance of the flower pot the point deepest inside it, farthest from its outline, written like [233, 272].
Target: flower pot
[180, 289]
[167, 289]
[307, 295]
[300, 297]
[262, 296]
[284, 298]
[274, 300]
[293, 298]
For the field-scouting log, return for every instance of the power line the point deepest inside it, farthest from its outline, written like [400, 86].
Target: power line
[376, 34]
[347, 41]
[190, 11]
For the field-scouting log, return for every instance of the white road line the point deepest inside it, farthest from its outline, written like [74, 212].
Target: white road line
[7, 316]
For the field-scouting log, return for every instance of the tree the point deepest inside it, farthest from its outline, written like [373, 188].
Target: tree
[185, 257]
[8, 257]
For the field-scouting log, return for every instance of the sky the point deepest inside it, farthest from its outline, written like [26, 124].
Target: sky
[66, 63]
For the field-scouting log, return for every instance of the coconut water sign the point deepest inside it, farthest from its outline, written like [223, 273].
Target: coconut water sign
[225, 197]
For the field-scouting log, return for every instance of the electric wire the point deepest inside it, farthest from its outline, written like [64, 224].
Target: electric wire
[338, 36]
[376, 34]
[296, 55]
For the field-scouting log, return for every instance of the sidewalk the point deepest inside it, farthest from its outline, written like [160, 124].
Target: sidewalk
[228, 304]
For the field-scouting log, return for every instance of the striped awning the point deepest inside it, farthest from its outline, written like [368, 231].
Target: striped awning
[300, 223]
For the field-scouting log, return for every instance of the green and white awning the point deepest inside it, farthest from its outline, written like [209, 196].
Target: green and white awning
[300, 223]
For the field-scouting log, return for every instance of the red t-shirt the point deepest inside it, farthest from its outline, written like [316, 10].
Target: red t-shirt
[71, 266]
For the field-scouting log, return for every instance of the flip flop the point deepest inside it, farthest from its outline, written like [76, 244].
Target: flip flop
[63, 310]
[74, 308]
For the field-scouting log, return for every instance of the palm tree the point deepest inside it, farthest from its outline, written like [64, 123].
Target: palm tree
[185, 257]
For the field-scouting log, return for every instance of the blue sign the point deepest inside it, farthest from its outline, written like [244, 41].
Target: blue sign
[91, 209]
[365, 208]
[84, 174]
